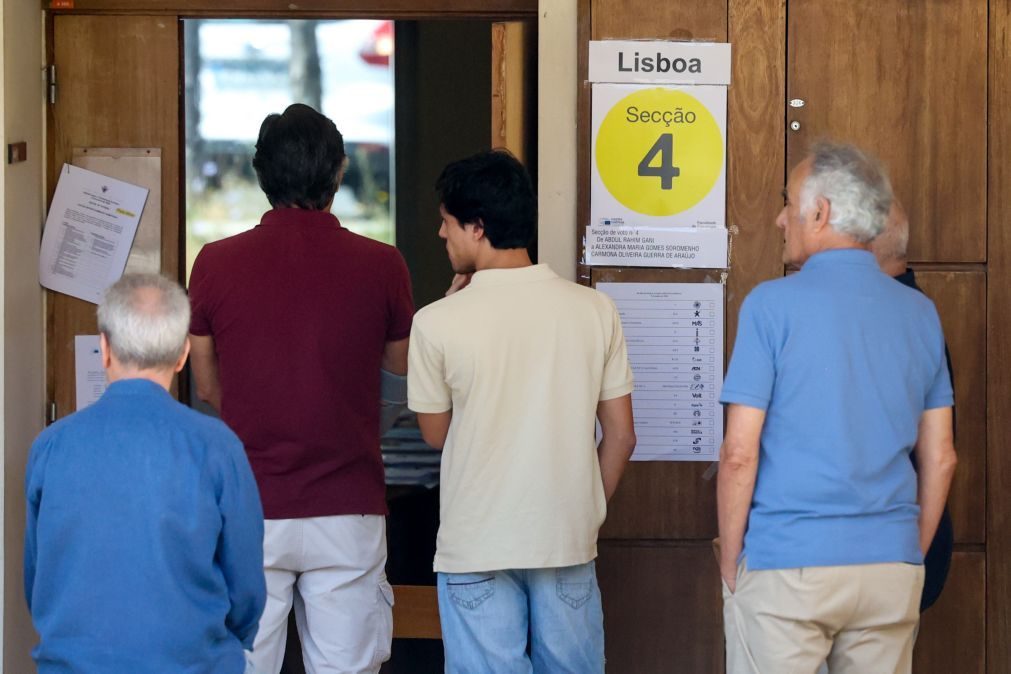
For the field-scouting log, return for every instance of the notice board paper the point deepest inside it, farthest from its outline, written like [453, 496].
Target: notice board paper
[89, 230]
[674, 333]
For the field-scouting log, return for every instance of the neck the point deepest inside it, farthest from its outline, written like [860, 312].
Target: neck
[507, 258]
[836, 242]
[161, 376]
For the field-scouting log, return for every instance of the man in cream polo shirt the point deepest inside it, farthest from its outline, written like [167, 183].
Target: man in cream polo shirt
[507, 374]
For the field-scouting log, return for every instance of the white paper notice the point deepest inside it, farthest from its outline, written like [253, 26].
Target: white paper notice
[141, 167]
[90, 373]
[89, 231]
[674, 333]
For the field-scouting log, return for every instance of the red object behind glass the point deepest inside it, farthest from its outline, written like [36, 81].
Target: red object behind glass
[379, 48]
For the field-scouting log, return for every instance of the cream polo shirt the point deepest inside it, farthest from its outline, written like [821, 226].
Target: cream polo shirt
[521, 357]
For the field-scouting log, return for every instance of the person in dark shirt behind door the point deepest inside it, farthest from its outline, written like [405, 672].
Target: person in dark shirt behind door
[890, 250]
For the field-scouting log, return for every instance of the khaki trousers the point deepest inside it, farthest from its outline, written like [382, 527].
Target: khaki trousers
[861, 619]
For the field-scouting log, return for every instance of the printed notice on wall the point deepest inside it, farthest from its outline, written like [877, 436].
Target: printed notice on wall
[90, 375]
[674, 333]
[658, 157]
[139, 166]
[89, 231]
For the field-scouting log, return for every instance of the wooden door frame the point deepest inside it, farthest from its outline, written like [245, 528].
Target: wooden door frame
[491, 10]
[484, 10]
[417, 616]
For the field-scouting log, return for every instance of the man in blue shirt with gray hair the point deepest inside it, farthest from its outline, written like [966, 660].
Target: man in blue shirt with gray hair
[837, 374]
[144, 539]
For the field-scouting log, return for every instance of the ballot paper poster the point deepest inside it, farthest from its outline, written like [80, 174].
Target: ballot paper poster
[674, 334]
[658, 159]
[89, 231]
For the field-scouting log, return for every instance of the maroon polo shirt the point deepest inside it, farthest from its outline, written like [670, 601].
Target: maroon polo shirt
[300, 310]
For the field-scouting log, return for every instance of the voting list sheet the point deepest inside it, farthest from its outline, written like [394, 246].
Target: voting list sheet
[674, 333]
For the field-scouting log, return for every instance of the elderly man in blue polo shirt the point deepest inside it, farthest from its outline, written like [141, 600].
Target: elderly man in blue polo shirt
[838, 373]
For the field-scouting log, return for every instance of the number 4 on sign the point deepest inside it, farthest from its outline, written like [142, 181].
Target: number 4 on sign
[666, 171]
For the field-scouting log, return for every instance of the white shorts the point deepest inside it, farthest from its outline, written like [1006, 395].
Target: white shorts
[333, 569]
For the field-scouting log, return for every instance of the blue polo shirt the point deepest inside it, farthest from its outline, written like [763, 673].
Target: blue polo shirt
[143, 545]
[844, 361]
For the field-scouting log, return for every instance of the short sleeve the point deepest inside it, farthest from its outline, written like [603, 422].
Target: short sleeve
[752, 370]
[427, 390]
[200, 320]
[400, 302]
[617, 380]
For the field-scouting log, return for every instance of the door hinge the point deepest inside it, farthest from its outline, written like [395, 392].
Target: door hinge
[51, 83]
[51, 413]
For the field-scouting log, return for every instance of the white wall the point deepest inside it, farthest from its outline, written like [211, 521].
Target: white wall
[556, 135]
[22, 360]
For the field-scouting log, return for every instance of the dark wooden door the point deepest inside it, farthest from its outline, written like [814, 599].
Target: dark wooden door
[904, 81]
[911, 83]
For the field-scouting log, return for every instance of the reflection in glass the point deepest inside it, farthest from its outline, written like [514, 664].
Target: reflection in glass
[239, 71]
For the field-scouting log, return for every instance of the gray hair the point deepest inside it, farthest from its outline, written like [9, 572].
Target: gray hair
[145, 318]
[856, 186]
[892, 243]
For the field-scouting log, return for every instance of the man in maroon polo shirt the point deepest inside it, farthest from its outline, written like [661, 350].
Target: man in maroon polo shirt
[293, 322]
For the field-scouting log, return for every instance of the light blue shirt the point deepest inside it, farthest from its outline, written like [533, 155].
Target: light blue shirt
[844, 360]
[144, 540]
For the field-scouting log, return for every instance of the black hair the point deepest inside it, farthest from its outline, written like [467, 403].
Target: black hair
[299, 154]
[491, 189]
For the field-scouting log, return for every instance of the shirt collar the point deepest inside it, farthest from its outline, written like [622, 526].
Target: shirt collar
[298, 216]
[512, 276]
[134, 386]
[841, 256]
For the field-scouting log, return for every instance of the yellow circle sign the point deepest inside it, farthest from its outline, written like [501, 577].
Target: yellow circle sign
[659, 151]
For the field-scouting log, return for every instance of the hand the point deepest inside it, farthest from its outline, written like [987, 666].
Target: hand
[460, 281]
[730, 578]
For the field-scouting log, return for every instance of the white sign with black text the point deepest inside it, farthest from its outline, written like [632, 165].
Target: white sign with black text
[642, 61]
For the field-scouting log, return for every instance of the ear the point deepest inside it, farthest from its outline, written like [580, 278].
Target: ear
[478, 231]
[182, 358]
[103, 347]
[822, 212]
[340, 173]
